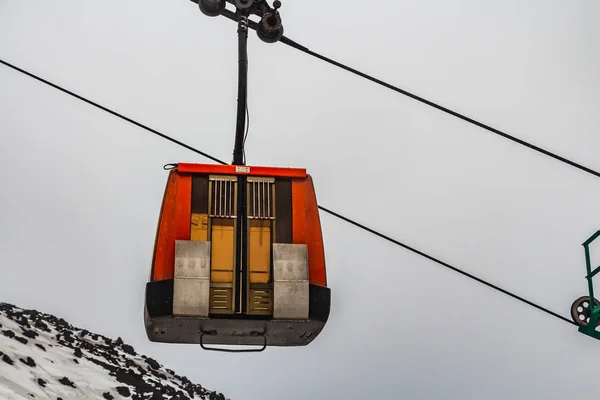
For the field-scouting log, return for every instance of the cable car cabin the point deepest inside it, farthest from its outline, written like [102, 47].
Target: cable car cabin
[238, 258]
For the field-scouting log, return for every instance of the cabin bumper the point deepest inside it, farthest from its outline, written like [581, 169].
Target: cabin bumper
[162, 326]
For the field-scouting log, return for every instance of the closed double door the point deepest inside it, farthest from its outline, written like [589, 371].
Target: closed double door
[237, 215]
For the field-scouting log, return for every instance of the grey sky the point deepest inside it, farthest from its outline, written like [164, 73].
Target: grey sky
[82, 189]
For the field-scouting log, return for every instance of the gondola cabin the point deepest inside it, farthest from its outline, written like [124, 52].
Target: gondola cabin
[238, 258]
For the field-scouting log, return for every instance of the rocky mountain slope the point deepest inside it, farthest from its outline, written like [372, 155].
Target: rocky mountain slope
[44, 357]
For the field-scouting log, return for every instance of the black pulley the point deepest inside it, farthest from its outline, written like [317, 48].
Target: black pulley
[212, 8]
[243, 4]
[581, 310]
[269, 28]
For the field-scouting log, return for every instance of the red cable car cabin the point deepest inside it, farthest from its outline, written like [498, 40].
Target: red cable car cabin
[238, 258]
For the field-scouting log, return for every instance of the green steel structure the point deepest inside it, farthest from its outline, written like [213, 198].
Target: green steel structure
[583, 312]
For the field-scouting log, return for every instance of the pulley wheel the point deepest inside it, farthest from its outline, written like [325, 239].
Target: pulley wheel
[243, 4]
[212, 8]
[581, 310]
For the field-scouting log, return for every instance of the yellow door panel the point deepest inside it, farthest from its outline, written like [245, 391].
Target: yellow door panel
[259, 277]
[221, 276]
[199, 229]
[259, 249]
[223, 244]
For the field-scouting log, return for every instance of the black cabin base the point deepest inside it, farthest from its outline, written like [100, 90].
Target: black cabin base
[162, 327]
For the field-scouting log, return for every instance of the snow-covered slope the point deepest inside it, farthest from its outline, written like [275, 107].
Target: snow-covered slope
[43, 357]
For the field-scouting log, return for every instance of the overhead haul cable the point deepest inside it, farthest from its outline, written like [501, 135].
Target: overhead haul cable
[116, 114]
[333, 213]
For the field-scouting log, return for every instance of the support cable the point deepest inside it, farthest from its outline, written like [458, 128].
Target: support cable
[116, 114]
[444, 264]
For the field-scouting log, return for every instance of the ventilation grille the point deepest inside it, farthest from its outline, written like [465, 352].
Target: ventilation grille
[220, 301]
[261, 301]
[222, 201]
[260, 198]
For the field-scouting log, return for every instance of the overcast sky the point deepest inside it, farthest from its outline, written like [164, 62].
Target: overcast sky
[81, 189]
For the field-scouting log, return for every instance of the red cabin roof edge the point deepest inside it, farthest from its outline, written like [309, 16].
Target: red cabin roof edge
[189, 168]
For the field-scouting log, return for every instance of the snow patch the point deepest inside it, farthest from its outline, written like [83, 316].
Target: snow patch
[44, 357]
